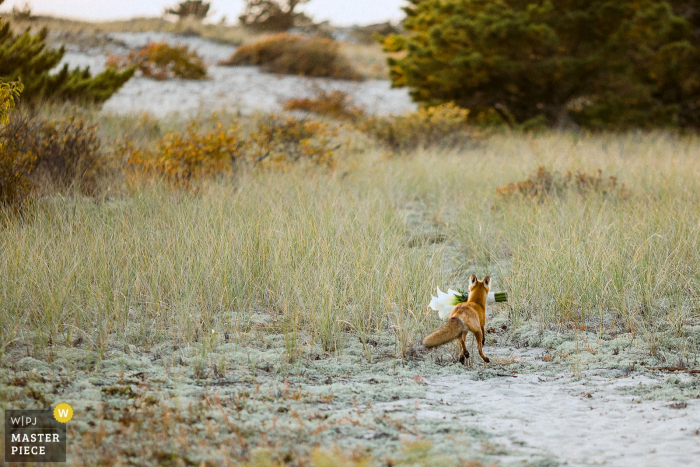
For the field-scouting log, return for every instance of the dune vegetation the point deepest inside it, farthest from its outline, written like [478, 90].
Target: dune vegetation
[253, 289]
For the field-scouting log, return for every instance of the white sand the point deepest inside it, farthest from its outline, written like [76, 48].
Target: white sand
[556, 416]
[243, 89]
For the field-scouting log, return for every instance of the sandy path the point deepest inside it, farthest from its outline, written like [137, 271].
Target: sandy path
[580, 422]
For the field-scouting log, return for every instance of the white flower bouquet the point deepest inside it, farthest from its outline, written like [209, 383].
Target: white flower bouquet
[444, 303]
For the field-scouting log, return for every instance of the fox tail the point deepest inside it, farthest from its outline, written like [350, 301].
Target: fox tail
[445, 334]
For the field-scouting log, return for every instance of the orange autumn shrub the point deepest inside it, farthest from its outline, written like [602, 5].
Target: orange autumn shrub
[185, 158]
[335, 104]
[291, 54]
[545, 184]
[161, 61]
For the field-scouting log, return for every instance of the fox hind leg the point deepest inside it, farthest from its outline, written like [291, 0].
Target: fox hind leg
[483, 340]
[465, 353]
[480, 346]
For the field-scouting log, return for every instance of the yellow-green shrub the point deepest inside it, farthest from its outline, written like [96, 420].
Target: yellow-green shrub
[295, 55]
[278, 141]
[9, 93]
[444, 124]
[161, 61]
[185, 158]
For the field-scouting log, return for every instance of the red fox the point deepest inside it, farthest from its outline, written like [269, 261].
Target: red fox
[469, 316]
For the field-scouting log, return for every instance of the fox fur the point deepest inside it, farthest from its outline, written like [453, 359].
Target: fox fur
[469, 316]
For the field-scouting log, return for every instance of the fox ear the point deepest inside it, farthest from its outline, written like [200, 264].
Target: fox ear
[487, 281]
[472, 279]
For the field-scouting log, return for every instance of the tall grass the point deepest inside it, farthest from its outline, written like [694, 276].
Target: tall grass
[332, 255]
[319, 254]
[629, 262]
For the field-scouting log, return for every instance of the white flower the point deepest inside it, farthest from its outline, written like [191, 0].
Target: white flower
[444, 303]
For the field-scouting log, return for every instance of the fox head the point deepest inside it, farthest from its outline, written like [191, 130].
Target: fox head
[478, 290]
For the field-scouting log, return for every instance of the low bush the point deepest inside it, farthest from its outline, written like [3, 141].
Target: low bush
[278, 141]
[545, 183]
[15, 169]
[185, 158]
[295, 55]
[444, 125]
[335, 104]
[161, 61]
[15, 166]
[55, 154]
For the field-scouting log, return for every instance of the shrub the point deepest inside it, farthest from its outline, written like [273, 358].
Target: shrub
[161, 61]
[63, 153]
[278, 141]
[26, 57]
[15, 166]
[295, 55]
[271, 15]
[545, 184]
[335, 104]
[15, 169]
[35, 152]
[9, 94]
[183, 159]
[190, 9]
[632, 63]
[443, 124]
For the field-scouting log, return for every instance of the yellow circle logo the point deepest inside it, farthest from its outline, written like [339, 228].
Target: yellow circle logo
[63, 412]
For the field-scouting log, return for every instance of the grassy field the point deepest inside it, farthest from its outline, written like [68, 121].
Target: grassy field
[360, 249]
[285, 269]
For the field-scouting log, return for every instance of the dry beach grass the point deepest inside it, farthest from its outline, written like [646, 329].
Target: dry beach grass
[270, 314]
[281, 269]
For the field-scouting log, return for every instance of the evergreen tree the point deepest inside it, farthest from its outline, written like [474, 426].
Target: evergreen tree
[602, 63]
[26, 58]
[197, 9]
[273, 15]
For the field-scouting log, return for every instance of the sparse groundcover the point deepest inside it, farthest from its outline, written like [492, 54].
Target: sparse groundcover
[161, 61]
[292, 54]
